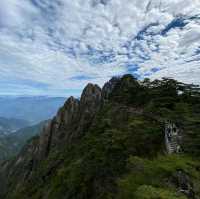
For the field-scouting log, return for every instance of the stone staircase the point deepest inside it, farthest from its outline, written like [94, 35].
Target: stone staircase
[173, 146]
[172, 138]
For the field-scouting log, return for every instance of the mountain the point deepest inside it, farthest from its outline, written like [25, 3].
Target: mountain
[130, 139]
[10, 125]
[11, 144]
[32, 109]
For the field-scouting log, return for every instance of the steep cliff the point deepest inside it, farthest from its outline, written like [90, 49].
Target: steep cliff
[111, 144]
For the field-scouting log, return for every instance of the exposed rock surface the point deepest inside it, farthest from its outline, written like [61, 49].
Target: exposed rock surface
[90, 103]
[109, 86]
[71, 120]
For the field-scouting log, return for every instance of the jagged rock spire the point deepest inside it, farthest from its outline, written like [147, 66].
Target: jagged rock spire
[71, 119]
[109, 86]
[91, 100]
[91, 93]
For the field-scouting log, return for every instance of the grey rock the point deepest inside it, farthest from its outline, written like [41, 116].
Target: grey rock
[184, 184]
[109, 86]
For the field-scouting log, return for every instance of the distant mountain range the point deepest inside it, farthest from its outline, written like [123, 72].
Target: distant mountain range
[32, 109]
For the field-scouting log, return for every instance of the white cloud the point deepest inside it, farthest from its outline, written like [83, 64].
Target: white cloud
[53, 42]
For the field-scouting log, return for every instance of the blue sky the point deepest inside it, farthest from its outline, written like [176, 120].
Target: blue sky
[55, 47]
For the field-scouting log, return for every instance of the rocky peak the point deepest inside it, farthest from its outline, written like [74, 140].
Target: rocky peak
[70, 101]
[129, 81]
[109, 86]
[71, 119]
[91, 93]
[71, 105]
[60, 127]
[71, 109]
[90, 99]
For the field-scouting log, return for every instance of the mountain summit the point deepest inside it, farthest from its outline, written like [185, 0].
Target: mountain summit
[114, 143]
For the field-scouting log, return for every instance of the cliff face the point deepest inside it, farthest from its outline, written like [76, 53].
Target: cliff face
[71, 122]
[86, 147]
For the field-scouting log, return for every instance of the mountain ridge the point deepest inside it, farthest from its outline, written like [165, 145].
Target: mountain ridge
[84, 149]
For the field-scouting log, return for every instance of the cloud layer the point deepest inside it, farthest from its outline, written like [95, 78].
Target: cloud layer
[56, 47]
